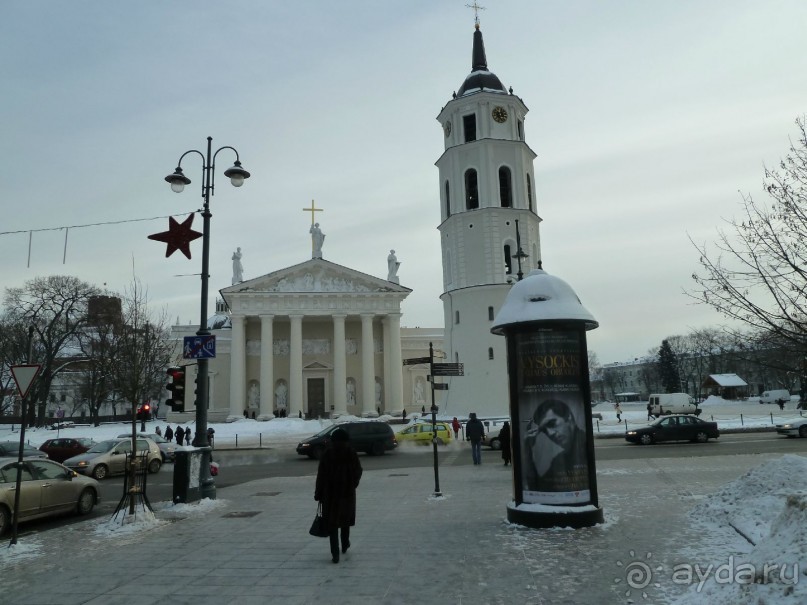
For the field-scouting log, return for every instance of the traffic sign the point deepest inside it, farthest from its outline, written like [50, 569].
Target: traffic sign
[448, 369]
[24, 376]
[199, 347]
[416, 360]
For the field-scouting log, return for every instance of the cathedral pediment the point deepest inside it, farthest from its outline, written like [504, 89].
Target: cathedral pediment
[316, 276]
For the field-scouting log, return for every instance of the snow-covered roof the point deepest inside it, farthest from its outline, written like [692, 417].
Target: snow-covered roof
[725, 380]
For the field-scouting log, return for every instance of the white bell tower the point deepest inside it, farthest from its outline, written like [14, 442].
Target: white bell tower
[487, 209]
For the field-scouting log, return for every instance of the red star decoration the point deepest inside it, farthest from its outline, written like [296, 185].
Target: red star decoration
[178, 237]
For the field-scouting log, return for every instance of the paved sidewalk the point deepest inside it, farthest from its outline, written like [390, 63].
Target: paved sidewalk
[407, 546]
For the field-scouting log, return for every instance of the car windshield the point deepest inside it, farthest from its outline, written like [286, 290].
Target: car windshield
[326, 431]
[103, 447]
[157, 439]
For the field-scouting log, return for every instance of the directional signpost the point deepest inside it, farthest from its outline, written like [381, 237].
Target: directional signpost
[448, 369]
[24, 376]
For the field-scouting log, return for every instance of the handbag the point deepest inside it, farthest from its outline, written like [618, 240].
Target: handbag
[318, 528]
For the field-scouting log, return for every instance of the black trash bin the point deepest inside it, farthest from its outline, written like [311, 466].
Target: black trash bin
[187, 476]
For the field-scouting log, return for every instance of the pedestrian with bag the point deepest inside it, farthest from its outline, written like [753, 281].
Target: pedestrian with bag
[338, 477]
[180, 435]
[455, 424]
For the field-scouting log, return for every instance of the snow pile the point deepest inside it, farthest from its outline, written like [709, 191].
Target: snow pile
[768, 506]
[751, 503]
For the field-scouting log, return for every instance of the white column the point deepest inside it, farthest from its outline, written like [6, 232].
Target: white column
[394, 399]
[238, 368]
[296, 366]
[267, 369]
[339, 367]
[367, 366]
[385, 397]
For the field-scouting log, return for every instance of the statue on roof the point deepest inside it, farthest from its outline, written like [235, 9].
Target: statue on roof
[392, 267]
[238, 268]
[317, 237]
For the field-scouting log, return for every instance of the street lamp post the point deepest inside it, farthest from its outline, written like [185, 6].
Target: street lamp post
[178, 180]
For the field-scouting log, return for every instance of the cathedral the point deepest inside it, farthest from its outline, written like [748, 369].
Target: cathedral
[319, 339]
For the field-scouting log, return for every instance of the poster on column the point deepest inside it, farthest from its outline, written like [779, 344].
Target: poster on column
[551, 409]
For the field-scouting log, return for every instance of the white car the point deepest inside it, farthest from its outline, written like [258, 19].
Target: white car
[793, 428]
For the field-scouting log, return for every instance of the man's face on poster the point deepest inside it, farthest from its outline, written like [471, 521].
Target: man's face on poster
[558, 428]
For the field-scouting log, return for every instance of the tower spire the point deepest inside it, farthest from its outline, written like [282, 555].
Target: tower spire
[477, 8]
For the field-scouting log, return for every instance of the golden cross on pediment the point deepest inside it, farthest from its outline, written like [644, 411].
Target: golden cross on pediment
[312, 210]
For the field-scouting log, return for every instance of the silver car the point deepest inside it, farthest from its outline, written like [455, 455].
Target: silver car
[47, 488]
[167, 448]
[109, 457]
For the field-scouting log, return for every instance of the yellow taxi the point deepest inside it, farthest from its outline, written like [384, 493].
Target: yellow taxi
[421, 433]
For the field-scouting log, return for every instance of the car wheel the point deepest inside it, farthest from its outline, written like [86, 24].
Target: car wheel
[646, 439]
[154, 466]
[701, 437]
[5, 519]
[496, 444]
[86, 502]
[100, 472]
[377, 449]
[803, 430]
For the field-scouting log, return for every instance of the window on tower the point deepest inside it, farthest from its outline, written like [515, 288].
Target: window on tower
[490, 352]
[505, 187]
[471, 190]
[508, 260]
[490, 313]
[456, 317]
[469, 126]
[448, 201]
[529, 194]
[520, 131]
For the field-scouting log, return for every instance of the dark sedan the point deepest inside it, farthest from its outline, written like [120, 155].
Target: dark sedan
[679, 427]
[12, 449]
[66, 447]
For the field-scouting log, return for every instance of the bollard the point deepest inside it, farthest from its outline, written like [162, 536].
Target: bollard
[598, 426]
[236, 441]
[260, 439]
[771, 417]
[741, 420]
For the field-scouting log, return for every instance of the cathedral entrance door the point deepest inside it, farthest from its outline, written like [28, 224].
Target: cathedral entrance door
[316, 398]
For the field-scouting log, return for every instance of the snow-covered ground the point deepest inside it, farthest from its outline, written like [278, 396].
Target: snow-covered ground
[249, 433]
[754, 547]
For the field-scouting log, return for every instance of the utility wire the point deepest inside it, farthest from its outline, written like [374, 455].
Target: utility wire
[133, 220]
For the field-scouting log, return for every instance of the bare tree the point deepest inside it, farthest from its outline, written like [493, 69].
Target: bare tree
[13, 351]
[758, 275]
[56, 307]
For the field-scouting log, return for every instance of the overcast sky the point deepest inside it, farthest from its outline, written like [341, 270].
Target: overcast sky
[648, 119]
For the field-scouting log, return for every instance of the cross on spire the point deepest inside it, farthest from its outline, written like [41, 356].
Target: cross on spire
[312, 210]
[476, 8]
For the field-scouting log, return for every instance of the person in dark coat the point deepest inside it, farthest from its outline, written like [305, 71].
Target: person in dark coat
[338, 477]
[475, 432]
[504, 440]
[188, 436]
[169, 433]
[180, 435]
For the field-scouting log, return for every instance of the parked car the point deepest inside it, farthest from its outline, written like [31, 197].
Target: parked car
[793, 428]
[12, 450]
[421, 433]
[62, 424]
[373, 437]
[47, 488]
[677, 427]
[109, 457]
[168, 449]
[492, 428]
[66, 447]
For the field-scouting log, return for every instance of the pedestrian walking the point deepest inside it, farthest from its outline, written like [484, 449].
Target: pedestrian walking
[455, 424]
[618, 411]
[338, 476]
[650, 411]
[210, 433]
[158, 431]
[180, 435]
[474, 432]
[504, 441]
[169, 433]
[188, 436]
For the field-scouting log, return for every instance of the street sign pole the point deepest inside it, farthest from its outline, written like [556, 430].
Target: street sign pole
[437, 491]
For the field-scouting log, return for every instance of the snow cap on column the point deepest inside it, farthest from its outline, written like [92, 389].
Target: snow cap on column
[541, 297]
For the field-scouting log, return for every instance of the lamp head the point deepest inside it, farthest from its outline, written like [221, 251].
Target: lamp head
[236, 174]
[178, 180]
